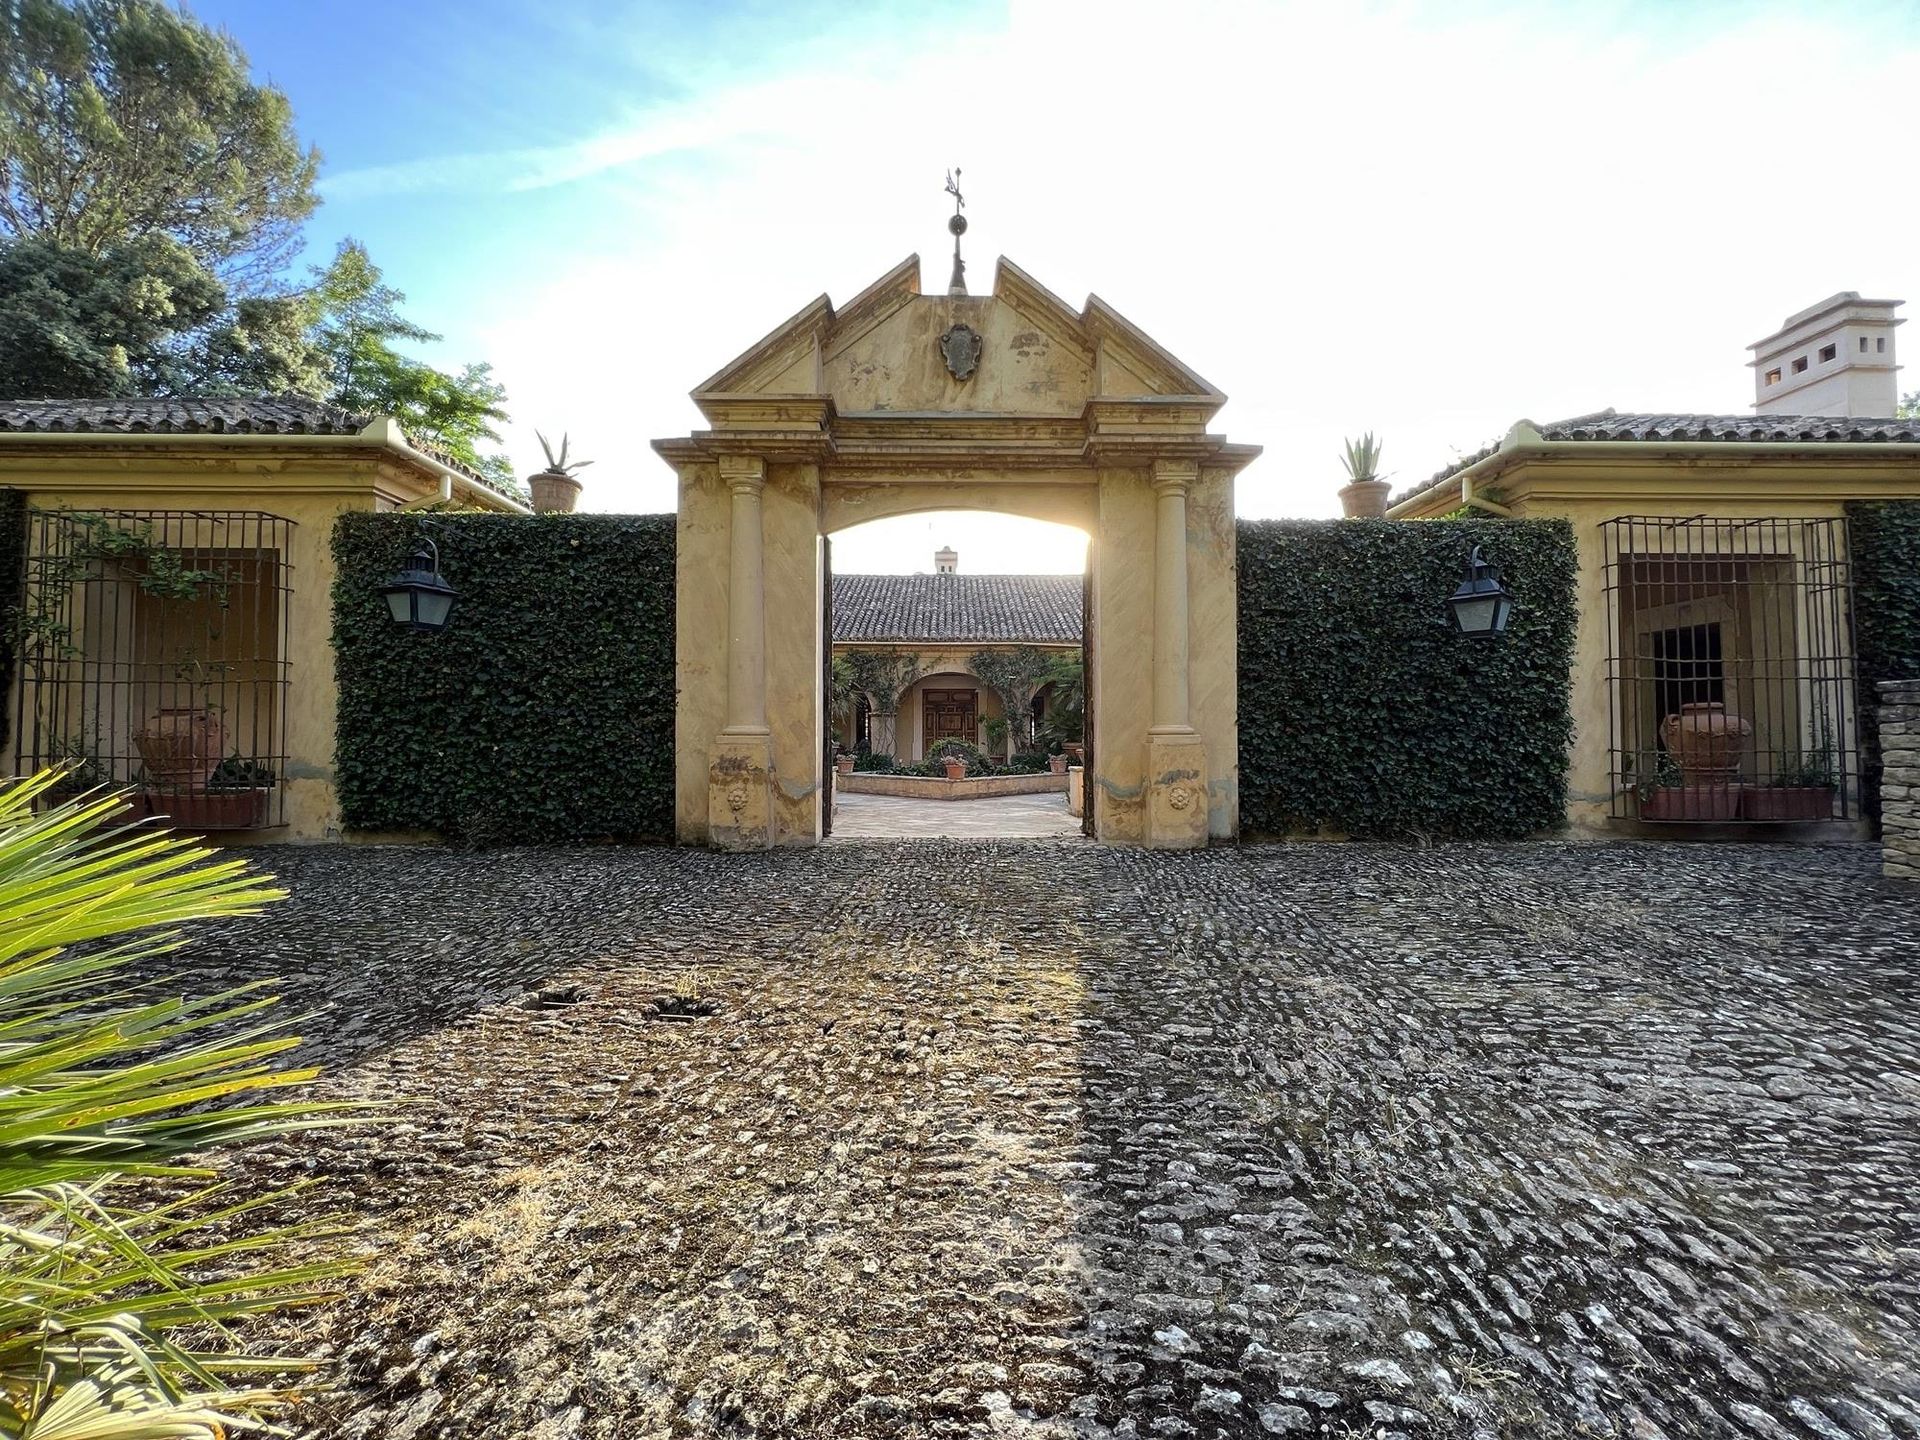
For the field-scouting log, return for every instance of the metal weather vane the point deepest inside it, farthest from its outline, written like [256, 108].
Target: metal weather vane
[958, 225]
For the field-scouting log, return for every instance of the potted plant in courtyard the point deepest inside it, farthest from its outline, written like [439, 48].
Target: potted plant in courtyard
[554, 489]
[1663, 793]
[1707, 739]
[234, 798]
[843, 762]
[181, 745]
[1364, 496]
[1802, 790]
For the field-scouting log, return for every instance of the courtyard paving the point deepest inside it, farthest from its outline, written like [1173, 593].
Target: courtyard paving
[1016, 1140]
[1001, 817]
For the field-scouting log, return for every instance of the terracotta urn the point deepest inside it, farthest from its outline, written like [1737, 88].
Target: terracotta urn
[1058, 763]
[956, 769]
[552, 492]
[182, 746]
[1707, 740]
[1365, 499]
[844, 764]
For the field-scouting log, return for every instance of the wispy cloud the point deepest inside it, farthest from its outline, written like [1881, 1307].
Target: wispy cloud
[1351, 217]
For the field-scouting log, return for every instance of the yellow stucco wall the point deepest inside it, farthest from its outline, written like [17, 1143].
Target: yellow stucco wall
[1589, 490]
[311, 488]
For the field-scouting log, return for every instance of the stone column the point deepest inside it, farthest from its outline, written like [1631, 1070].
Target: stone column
[1900, 779]
[740, 778]
[1176, 756]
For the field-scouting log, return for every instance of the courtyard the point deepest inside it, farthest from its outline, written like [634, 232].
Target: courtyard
[1003, 817]
[1004, 1140]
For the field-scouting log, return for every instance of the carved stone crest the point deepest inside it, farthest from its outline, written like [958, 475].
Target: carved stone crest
[960, 348]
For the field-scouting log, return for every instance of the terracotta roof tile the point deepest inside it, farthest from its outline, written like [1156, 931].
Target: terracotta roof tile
[1038, 609]
[236, 416]
[1732, 429]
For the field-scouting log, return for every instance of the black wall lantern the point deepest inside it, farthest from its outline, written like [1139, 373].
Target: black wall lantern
[418, 597]
[1482, 604]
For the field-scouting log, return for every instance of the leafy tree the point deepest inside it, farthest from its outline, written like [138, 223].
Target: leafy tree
[357, 322]
[1909, 407]
[1016, 676]
[125, 120]
[73, 323]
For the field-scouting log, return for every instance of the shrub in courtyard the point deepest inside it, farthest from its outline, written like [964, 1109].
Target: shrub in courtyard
[121, 1266]
[873, 760]
[1362, 711]
[1884, 537]
[543, 712]
[975, 757]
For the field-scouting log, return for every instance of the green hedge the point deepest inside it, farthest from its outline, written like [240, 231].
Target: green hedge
[543, 712]
[1884, 537]
[13, 582]
[1362, 712]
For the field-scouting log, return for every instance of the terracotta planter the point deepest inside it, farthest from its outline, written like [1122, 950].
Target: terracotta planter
[1719, 804]
[553, 493]
[1075, 751]
[1057, 763]
[1365, 499]
[844, 764]
[1799, 803]
[182, 746]
[956, 769]
[212, 809]
[1707, 740]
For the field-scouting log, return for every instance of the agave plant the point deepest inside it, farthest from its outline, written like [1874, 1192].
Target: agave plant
[558, 464]
[1362, 458]
[116, 1292]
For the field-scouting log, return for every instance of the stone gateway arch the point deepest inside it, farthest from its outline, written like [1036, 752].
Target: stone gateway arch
[897, 402]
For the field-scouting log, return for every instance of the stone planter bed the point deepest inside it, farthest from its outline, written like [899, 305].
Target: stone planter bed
[926, 787]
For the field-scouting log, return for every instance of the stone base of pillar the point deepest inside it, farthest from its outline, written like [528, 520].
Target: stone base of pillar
[1176, 791]
[740, 793]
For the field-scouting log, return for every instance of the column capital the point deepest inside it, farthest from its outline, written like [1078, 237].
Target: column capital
[1178, 474]
[742, 472]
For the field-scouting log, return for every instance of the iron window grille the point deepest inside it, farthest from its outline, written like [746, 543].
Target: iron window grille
[154, 656]
[1729, 670]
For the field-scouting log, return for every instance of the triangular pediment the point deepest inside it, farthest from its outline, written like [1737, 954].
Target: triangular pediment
[881, 352]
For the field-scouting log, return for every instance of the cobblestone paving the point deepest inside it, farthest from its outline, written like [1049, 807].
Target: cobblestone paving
[994, 1141]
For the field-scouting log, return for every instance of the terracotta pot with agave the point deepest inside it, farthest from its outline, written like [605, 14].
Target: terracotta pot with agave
[1364, 496]
[555, 491]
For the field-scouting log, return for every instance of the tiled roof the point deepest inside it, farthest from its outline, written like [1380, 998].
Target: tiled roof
[1733, 429]
[238, 416]
[1038, 609]
[1750, 428]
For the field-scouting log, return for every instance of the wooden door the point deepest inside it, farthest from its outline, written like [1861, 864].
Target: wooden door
[948, 715]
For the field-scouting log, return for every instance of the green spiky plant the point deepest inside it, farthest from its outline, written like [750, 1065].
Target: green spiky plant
[1362, 459]
[558, 464]
[122, 1263]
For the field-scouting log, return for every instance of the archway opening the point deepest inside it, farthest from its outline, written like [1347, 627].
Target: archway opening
[954, 657]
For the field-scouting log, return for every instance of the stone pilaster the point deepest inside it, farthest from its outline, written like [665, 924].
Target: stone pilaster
[740, 774]
[1900, 778]
[1176, 755]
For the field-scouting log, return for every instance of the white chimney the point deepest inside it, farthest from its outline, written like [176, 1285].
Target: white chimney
[1834, 358]
[947, 561]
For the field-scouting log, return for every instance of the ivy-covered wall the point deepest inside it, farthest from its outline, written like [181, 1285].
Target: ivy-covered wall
[13, 579]
[1885, 539]
[1363, 712]
[543, 712]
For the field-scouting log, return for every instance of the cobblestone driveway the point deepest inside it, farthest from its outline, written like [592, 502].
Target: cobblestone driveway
[1015, 1140]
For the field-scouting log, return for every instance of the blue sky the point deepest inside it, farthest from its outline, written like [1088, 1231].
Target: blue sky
[1426, 220]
